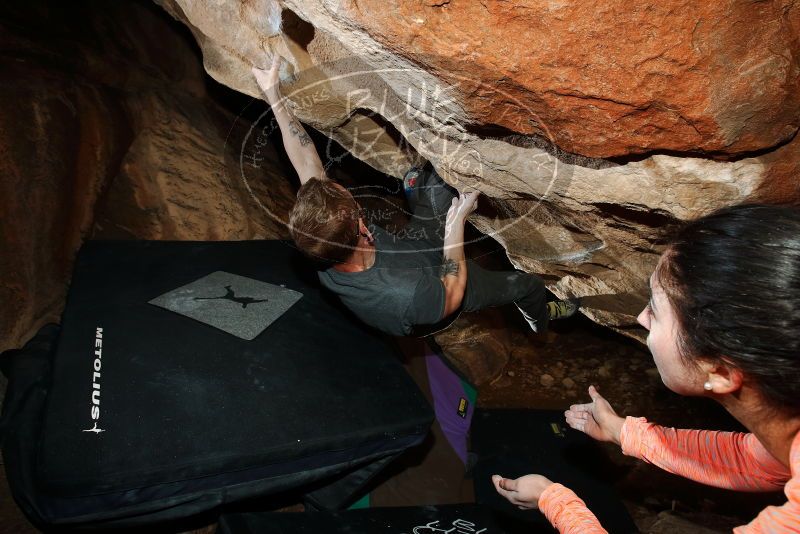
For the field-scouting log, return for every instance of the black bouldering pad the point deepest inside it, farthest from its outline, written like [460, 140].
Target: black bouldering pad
[151, 415]
[443, 519]
[235, 304]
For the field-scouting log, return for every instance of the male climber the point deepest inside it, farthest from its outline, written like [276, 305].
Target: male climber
[400, 286]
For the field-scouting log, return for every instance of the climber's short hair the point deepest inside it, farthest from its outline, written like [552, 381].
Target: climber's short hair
[324, 221]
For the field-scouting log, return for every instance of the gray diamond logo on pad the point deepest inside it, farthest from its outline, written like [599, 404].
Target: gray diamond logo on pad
[237, 305]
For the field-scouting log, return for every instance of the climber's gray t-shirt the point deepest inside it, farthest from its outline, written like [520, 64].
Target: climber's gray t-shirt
[400, 290]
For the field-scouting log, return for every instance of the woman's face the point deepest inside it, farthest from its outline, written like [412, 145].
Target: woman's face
[659, 319]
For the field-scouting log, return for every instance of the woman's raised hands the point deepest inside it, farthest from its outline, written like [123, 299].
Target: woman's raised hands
[596, 419]
[522, 492]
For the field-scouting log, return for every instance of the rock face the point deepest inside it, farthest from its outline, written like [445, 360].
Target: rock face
[594, 127]
[180, 180]
[106, 129]
[479, 345]
[602, 78]
[607, 78]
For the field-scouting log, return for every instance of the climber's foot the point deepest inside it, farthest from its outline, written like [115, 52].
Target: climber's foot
[561, 309]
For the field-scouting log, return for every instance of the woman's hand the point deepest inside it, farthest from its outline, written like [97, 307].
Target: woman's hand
[596, 419]
[523, 492]
[269, 80]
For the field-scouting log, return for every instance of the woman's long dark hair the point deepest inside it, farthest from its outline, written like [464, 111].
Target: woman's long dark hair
[733, 279]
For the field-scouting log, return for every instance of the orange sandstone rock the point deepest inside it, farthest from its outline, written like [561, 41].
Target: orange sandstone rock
[608, 78]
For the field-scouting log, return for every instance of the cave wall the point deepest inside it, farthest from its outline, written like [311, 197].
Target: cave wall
[593, 127]
[107, 130]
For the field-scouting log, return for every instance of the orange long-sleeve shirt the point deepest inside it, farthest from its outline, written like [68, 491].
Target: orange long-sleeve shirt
[732, 460]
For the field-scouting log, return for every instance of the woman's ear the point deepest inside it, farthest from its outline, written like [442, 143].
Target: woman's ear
[722, 377]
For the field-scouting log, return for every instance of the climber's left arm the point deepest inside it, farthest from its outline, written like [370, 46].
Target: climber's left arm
[299, 146]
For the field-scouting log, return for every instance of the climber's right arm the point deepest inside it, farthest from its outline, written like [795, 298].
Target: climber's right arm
[454, 265]
[299, 146]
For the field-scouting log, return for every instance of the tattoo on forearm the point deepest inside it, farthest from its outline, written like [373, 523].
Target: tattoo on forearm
[450, 267]
[296, 129]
